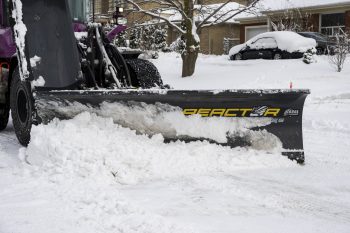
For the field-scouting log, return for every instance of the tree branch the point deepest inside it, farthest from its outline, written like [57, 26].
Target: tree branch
[158, 16]
[251, 6]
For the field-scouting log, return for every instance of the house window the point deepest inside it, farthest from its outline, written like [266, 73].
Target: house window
[104, 6]
[331, 24]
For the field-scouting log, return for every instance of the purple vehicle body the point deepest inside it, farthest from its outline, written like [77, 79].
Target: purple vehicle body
[7, 44]
[115, 32]
[79, 27]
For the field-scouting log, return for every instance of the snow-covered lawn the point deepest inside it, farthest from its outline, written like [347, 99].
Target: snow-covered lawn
[90, 175]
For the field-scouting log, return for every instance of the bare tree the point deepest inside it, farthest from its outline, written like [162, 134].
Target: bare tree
[192, 18]
[341, 50]
[291, 20]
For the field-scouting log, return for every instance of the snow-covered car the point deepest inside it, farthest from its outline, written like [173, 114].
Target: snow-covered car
[273, 45]
[324, 44]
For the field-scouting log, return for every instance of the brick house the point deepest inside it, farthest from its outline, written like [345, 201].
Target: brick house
[326, 17]
[212, 38]
[103, 10]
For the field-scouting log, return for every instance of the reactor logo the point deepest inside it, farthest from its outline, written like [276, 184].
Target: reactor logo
[233, 112]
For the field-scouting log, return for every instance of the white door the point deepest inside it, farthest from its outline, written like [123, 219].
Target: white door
[250, 32]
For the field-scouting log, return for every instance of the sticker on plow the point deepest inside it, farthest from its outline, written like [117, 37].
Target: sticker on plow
[263, 111]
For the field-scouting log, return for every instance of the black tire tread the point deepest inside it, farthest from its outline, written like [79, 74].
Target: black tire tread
[144, 74]
[4, 116]
[22, 130]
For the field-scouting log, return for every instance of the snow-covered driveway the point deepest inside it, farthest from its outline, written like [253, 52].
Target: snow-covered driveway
[90, 175]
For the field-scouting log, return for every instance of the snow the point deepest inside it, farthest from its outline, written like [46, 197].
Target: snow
[224, 13]
[80, 35]
[204, 11]
[89, 174]
[132, 164]
[40, 82]
[20, 30]
[34, 61]
[286, 41]
[273, 5]
[168, 121]
[236, 49]
[194, 31]
[265, 6]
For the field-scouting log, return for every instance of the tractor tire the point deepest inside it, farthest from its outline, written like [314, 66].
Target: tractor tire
[4, 115]
[144, 74]
[22, 108]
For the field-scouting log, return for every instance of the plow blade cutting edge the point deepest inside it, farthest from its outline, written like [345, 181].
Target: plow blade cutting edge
[263, 119]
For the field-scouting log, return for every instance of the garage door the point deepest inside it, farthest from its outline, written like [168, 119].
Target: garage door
[253, 31]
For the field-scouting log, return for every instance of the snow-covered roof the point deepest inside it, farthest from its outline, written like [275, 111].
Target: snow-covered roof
[227, 11]
[203, 11]
[273, 5]
[266, 6]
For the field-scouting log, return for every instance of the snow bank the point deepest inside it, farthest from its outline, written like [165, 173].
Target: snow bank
[169, 121]
[77, 192]
[90, 145]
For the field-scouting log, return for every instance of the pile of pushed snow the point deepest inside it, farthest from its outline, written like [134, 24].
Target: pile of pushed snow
[286, 41]
[170, 122]
[89, 145]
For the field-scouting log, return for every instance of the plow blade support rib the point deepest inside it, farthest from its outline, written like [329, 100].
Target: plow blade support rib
[278, 113]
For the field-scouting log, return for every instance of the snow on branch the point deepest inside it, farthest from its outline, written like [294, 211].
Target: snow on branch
[158, 14]
[221, 13]
[201, 15]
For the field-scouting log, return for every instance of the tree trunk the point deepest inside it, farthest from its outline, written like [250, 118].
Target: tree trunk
[189, 56]
[189, 63]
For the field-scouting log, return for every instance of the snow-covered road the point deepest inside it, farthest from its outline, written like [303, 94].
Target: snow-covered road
[90, 175]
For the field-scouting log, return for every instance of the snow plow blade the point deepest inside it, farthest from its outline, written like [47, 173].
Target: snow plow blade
[244, 117]
[62, 76]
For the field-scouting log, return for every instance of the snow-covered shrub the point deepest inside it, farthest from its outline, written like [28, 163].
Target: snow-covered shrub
[150, 38]
[341, 51]
[153, 38]
[147, 37]
[135, 37]
[229, 43]
[167, 49]
[178, 45]
[160, 36]
[227, 46]
[121, 40]
[309, 56]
